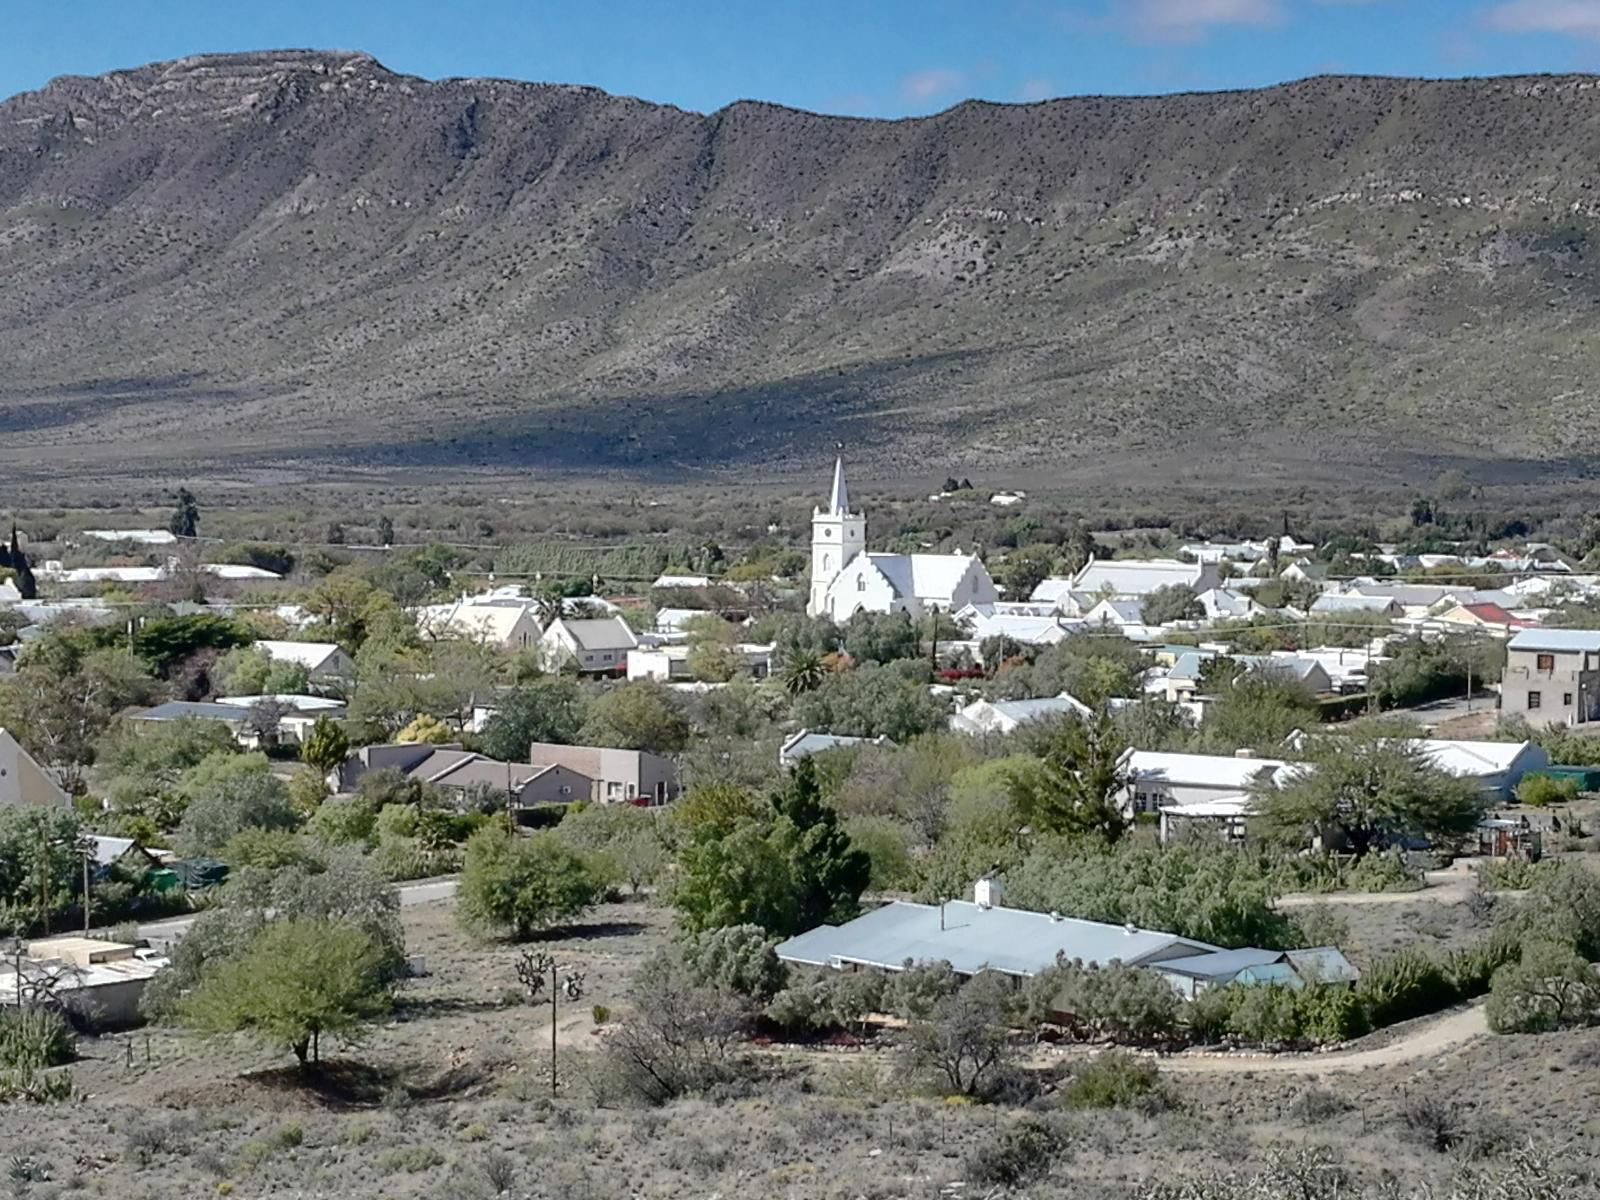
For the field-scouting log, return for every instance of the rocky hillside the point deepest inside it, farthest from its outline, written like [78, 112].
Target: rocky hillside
[303, 258]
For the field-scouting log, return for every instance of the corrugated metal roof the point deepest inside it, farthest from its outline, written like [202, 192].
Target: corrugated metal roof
[1568, 640]
[973, 939]
[1224, 964]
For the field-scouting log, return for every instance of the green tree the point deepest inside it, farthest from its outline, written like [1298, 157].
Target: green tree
[41, 864]
[385, 530]
[827, 873]
[873, 701]
[185, 519]
[1548, 989]
[549, 709]
[636, 716]
[294, 982]
[226, 795]
[881, 637]
[523, 885]
[1081, 786]
[1259, 711]
[1362, 788]
[326, 746]
[1176, 602]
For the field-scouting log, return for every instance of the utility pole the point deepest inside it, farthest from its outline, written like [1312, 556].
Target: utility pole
[86, 889]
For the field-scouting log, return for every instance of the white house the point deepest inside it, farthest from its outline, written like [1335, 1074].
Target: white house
[1007, 716]
[25, 782]
[511, 626]
[1157, 780]
[1221, 604]
[847, 579]
[1331, 604]
[810, 741]
[1136, 578]
[594, 646]
[685, 582]
[325, 663]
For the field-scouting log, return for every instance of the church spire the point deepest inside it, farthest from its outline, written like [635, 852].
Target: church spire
[839, 502]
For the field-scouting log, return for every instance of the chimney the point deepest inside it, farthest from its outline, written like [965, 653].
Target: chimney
[986, 892]
[1130, 929]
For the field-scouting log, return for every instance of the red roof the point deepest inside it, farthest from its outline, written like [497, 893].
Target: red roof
[1493, 614]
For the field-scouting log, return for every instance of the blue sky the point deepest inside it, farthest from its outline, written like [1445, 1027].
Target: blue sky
[865, 57]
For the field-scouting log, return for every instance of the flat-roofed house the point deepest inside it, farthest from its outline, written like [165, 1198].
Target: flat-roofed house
[1552, 677]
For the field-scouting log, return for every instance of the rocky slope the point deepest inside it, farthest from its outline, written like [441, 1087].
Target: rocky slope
[302, 257]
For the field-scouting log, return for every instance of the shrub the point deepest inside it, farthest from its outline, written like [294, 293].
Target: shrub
[737, 957]
[1123, 1003]
[1331, 1013]
[1550, 988]
[411, 1159]
[33, 1039]
[1019, 1155]
[1433, 1122]
[1403, 985]
[1316, 1106]
[36, 1087]
[1269, 1016]
[1116, 1080]
[1385, 873]
[1540, 790]
[1473, 967]
[826, 999]
[511, 884]
[1209, 1015]
[600, 1014]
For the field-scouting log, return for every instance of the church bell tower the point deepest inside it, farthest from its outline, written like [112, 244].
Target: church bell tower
[837, 536]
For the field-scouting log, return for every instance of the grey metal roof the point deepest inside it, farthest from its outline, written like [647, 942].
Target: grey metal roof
[1224, 964]
[1575, 641]
[973, 939]
[180, 710]
[1325, 964]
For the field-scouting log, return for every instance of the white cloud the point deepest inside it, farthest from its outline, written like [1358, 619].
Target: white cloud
[1036, 89]
[1577, 17]
[1191, 20]
[922, 86]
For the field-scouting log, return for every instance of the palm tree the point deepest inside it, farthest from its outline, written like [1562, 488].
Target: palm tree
[802, 671]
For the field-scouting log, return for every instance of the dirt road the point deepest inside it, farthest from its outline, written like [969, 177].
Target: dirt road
[1429, 1038]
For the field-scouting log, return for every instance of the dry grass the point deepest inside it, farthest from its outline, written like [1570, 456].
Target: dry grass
[451, 1098]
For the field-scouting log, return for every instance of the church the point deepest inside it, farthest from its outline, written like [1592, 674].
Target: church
[847, 579]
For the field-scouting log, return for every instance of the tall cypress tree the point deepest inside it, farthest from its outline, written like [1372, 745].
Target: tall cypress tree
[829, 873]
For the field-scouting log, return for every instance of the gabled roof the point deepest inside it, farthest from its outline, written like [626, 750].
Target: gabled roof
[311, 655]
[973, 939]
[1129, 577]
[493, 622]
[923, 576]
[1222, 771]
[808, 742]
[1560, 641]
[1333, 602]
[601, 633]
[1117, 612]
[1221, 966]
[1471, 759]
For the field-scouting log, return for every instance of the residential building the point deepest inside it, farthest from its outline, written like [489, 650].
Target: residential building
[809, 741]
[1552, 677]
[9, 593]
[99, 983]
[511, 625]
[1137, 578]
[1007, 716]
[983, 935]
[1483, 617]
[1220, 604]
[595, 647]
[327, 666]
[526, 785]
[1157, 779]
[293, 721]
[619, 776]
[683, 582]
[1340, 604]
[24, 782]
[846, 578]
[1307, 672]
[1061, 596]
[1497, 767]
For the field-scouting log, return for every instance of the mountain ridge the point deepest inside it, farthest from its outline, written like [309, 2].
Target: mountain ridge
[303, 257]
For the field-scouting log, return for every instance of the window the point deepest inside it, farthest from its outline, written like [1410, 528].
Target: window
[861, 583]
[1535, 700]
[1545, 662]
[827, 562]
[1566, 699]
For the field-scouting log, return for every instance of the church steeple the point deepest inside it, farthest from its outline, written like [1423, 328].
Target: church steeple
[839, 502]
